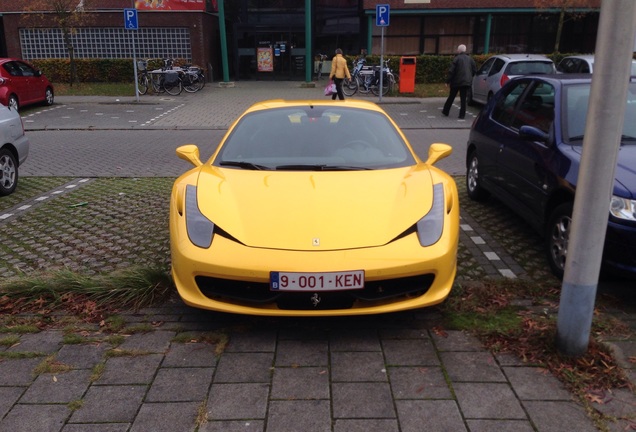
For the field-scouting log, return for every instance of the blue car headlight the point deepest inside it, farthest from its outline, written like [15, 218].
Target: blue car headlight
[200, 229]
[430, 227]
[623, 208]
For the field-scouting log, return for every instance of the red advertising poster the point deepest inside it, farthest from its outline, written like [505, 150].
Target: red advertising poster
[170, 5]
[265, 59]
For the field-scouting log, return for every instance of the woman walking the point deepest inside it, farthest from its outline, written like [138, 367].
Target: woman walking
[339, 71]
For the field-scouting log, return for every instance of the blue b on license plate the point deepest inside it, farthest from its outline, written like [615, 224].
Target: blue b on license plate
[328, 281]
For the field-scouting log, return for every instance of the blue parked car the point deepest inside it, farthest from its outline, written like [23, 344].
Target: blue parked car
[525, 150]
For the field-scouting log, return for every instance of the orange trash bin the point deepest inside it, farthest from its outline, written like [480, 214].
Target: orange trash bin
[407, 74]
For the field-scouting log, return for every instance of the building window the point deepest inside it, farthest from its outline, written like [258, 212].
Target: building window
[425, 35]
[107, 43]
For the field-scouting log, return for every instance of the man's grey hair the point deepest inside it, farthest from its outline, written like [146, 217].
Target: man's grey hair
[461, 48]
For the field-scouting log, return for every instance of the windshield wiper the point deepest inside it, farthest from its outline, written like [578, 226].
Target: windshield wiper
[245, 165]
[321, 167]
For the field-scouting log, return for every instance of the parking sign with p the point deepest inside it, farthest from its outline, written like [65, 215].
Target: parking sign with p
[130, 19]
[382, 15]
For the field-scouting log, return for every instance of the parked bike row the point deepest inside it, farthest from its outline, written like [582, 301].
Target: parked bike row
[366, 79]
[169, 78]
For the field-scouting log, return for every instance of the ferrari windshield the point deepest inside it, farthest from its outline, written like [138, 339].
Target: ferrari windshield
[314, 138]
[576, 100]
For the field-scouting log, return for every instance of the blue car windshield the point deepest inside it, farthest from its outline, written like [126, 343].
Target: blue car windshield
[314, 138]
[576, 100]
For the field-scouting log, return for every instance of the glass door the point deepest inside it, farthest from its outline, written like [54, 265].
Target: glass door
[271, 55]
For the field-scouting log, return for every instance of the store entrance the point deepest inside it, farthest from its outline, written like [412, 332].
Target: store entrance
[272, 55]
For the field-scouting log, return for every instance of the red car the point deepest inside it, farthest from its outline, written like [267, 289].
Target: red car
[22, 84]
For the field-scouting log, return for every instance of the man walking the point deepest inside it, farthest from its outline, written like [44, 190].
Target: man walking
[460, 77]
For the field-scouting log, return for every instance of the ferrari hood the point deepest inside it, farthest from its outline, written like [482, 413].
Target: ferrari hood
[314, 210]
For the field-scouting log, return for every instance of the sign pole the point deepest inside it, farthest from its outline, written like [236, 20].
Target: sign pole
[131, 23]
[381, 62]
[382, 14]
[135, 66]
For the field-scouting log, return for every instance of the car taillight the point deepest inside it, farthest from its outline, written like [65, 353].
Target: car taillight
[503, 80]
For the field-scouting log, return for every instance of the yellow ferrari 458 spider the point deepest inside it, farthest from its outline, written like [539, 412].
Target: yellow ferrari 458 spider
[313, 208]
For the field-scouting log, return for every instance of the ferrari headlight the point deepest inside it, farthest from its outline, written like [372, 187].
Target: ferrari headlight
[200, 229]
[429, 228]
[623, 208]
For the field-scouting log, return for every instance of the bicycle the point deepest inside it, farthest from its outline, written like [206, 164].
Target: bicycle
[166, 79]
[318, 72]
[388, 79]
[351, 86]
[366, 79]
[192, 78]
[143, 78]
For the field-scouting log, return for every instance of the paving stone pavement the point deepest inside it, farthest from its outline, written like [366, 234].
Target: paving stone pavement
[174, 368]
[201, 371]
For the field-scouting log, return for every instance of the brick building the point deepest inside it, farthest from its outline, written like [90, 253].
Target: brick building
[254, 30]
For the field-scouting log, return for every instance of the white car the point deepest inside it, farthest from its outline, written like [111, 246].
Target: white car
[582, 64]
[498, 69]
[14, 148]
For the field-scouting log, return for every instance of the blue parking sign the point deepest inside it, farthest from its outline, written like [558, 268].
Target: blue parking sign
[130, 19]
[382, 15]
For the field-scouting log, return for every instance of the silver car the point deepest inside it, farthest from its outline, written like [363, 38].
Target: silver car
[14, 148]
[498, 69]
[582, 64]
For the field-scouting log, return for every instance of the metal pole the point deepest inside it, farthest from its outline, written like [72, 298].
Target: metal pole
[224, 58]
[309, 64]
[135, 58]
[605, 119]
[381, 60]
[135, 65]
[487, 37]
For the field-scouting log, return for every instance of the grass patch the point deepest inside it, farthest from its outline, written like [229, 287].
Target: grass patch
[220, 339]
[428, 90]
[98, 371]
[505, 320]
[84, 295]
[114, 323]
[115, 340]
[95, 89]
[20, 329]
[116, 352]
[138, 328]
[202, 414]
[51, 365]
[16, 355]
[9, 341]
[74, 339]
[75, 405]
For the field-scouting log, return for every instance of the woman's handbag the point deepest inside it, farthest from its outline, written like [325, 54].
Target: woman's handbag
[330, 89]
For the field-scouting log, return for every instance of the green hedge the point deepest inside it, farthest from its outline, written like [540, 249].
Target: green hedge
[91, 70]
[428, 68]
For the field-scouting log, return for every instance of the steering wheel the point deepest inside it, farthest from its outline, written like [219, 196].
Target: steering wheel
[357, 145]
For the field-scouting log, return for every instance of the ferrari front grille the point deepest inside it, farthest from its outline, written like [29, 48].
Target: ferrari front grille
[251, 292]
